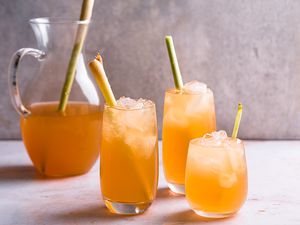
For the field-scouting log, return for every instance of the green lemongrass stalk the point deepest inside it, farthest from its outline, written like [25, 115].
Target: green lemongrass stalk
[86, 14]
[174, 63]
[96, 67]
[237, 121]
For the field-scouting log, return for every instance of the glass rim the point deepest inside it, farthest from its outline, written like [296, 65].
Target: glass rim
[152, 105]
[174, 91]
[58, 20]
[192, 142]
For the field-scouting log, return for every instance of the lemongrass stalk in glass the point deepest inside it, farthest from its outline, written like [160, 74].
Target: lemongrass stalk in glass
[237, 121]
[187, 114]
[129, 155]
[174, 63]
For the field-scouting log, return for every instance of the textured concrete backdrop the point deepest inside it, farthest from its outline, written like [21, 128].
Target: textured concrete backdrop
[246, 51]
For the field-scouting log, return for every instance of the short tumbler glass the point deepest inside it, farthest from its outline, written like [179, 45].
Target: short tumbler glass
[216, 177]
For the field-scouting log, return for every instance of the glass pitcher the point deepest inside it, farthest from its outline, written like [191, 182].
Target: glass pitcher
[58, 144]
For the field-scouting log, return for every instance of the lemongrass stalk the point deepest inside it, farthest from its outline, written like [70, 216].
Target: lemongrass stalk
[96, 67]
[174, 63]
[237, 121]
[86, 14]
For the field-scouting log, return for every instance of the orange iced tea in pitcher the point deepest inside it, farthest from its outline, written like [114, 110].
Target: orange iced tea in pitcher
[62, 144]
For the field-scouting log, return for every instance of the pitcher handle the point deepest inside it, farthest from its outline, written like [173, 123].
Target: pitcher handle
[13, 79]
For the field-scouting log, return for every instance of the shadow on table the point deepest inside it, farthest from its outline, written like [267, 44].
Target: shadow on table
[25, 173]
[99, 213]
[189, 216]
[18, 172]
[92, 214]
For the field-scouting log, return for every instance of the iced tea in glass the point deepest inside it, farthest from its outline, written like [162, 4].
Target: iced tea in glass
[188, 113]
[216, 175]
[129, 156]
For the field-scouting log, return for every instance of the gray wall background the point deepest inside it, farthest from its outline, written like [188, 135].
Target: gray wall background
[246, 51]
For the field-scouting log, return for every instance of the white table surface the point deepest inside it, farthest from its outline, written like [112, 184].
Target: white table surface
[27, 198]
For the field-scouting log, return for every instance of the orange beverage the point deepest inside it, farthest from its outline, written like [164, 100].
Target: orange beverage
[216, 175]
[62, 145]
[129, 156]
[188, 113]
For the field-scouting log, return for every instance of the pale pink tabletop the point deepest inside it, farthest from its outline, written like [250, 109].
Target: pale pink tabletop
[26, 198]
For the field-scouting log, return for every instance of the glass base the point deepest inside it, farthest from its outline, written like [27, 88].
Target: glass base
[177, 188]
[127, 208]
[212, 215]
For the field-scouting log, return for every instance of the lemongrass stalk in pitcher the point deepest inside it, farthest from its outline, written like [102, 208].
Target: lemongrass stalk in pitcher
[129, 161]
[86, 14]
[189, 112]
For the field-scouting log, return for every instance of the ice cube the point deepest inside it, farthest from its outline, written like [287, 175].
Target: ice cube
[234, 159]
[145, 102]
[174, 116]
[129, 103]
[216, 138]
[227, 179]
[219, 135]
[195, 87]
[141, 145]
[198, 105]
